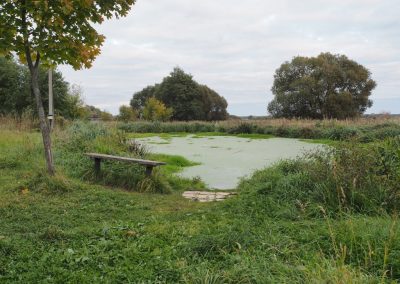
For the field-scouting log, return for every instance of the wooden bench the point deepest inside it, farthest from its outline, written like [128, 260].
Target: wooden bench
[147, 163]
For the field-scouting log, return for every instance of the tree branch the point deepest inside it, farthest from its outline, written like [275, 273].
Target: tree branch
[26, 36]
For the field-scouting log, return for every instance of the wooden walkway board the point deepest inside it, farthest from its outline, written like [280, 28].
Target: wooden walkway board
[207, 196]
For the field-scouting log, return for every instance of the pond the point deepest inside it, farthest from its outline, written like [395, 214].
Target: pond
[226, 159]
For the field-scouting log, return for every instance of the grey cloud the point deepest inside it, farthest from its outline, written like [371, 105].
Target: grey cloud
[235, 46]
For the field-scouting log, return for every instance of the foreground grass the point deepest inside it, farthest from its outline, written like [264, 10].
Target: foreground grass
[93, 233]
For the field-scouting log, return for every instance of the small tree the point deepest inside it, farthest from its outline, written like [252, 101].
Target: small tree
[54, 32]
[327, 86]
[140, 99]
[155, 110]
[126, 113]
[75, 104]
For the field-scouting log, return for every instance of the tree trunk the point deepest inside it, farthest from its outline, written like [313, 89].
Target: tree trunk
[44, 126]
[34, 71]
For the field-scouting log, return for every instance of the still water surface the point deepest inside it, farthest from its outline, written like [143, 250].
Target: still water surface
[224, 159]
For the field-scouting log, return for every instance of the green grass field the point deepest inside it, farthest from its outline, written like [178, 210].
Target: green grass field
[287, 224]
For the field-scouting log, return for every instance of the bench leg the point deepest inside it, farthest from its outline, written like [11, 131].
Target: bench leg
[149, 170]
[97, 162]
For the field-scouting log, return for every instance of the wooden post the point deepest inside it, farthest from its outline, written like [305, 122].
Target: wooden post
[97, 162]
[149, 170]
[51, 104]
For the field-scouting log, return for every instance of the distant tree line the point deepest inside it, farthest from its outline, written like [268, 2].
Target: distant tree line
[179, 97]
[16, 97]
[326, 86]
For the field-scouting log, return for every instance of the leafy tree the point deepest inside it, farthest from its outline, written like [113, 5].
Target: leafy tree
[327, 86]
[188, 99]
[182, 93]
[155, 110]
[54, 32]
[126, 113]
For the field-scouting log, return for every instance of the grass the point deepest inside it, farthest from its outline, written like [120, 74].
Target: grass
[277, 230]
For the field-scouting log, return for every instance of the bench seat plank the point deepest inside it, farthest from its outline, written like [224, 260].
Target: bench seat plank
[125, 159]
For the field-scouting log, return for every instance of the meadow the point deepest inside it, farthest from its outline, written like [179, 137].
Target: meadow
[327, 217]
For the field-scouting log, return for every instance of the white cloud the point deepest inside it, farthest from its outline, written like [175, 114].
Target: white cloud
[235, 46]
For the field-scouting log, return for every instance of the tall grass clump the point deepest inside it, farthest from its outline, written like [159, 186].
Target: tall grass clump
[350, 178]
[81, 138]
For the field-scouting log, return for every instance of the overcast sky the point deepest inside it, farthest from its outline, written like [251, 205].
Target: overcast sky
[235, 47]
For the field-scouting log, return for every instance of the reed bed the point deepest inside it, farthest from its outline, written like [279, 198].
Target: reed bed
[365, 129]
